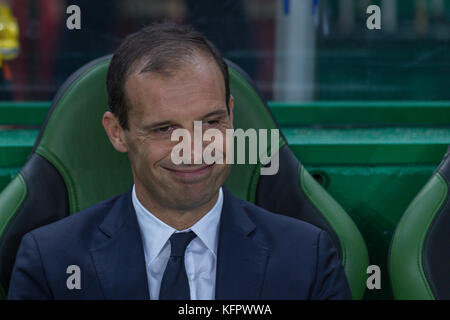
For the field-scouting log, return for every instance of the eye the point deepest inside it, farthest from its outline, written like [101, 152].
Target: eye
[166, 129]
[211, 122]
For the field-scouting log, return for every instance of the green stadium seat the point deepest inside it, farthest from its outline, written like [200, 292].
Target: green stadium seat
[419, 259]
[73, 166]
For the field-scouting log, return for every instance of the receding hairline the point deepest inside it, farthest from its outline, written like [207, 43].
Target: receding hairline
[143, 63]
[139, 66]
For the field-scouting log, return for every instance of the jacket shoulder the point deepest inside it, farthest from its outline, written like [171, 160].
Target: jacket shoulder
[278, 224]
[80, 224]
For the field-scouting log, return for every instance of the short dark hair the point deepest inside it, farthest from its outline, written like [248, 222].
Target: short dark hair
[162, 48]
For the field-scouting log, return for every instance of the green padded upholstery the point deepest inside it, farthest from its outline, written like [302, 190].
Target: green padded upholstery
[420, 248]
[74, 166]
[91, 168]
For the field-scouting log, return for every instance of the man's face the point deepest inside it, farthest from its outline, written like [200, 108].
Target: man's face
[159, 105]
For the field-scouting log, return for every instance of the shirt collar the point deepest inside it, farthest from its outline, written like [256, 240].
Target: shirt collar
[156, 233]
[207, 227]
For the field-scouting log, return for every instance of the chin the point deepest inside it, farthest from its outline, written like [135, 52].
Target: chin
[190, 197]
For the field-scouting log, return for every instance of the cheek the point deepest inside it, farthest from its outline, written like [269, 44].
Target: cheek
[219, 144]
[154, 153]
[226, 140]
[146, 153]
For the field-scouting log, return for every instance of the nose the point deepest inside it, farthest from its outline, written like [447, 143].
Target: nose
[193, 146]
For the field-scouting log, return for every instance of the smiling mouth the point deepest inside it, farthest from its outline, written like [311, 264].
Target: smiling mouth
[190, 172]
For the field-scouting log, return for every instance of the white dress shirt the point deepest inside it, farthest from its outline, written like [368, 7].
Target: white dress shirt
[200, 256]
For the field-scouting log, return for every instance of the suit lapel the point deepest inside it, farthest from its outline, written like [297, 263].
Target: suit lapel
[120, 263]
[241, 258]
[118, 254]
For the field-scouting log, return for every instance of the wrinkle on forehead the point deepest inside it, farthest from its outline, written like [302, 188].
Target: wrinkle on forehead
[197, 82]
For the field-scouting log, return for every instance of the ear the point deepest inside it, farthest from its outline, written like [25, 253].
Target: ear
[231, 107]
[114, 131]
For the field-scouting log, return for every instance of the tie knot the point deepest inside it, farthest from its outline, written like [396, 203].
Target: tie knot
[179, 241]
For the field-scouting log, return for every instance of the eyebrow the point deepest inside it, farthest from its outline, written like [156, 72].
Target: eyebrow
[218, 112]
[157, 124]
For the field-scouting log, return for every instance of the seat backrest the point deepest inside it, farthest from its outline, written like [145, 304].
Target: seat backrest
[73, 166]
[419, 258]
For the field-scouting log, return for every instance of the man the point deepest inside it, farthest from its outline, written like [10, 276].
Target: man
[177, 233]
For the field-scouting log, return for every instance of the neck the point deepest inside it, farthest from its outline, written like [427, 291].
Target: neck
[178, 219]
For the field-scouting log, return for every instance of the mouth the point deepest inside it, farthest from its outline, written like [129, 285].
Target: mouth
[190, 172]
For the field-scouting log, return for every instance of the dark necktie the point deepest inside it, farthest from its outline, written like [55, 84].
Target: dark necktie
[175, 285]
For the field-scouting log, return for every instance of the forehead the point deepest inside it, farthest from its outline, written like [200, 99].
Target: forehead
[197, 86]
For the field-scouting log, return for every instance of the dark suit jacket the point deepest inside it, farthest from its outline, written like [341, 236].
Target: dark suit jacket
[261, 255]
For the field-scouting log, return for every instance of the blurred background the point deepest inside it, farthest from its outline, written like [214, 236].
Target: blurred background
[366, 111]
[294, 50]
